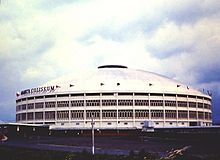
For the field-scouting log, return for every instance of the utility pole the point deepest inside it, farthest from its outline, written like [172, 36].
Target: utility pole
[93, 136]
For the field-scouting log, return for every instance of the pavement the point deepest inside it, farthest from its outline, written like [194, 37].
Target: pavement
[114, 145]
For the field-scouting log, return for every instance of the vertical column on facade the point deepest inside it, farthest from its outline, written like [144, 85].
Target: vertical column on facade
[69, 108]
[187, 103]
[84, 109]
[203, 106]
[149, 106]
[177, 111]
[133, 106]
[55, 109]
[197, 113]
[164, 116]
[116, 95]
[203, 110]
[100, 106]
[26, 102]
[34, 111]
[44, 110]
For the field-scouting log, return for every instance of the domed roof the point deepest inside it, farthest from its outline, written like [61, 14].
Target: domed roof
[117, 78]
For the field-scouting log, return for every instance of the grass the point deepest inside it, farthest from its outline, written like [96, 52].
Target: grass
[14, 153]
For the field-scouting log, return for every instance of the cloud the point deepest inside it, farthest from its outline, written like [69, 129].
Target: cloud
[191, 12]
[190, 50]
[44, 40]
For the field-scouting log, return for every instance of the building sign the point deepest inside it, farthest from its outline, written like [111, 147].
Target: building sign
[39, 90]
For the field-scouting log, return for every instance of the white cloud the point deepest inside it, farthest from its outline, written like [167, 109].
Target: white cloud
[44, 40]
[188, 51]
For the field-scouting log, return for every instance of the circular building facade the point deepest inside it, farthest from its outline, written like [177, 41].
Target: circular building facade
[115, 97]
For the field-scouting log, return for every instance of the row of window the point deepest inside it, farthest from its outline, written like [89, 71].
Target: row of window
[111, 102]
[112, 114]
[112, 94]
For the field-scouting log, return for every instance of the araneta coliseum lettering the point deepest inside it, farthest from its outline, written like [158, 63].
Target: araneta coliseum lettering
[38, 90]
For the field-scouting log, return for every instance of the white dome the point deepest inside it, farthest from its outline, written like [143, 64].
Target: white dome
[121, 79]
[117, 97]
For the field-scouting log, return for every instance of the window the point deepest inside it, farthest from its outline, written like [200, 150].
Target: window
[38, 115]
[206, 115]
[77, 103]
[108, 94]
[30, 106]
[191, 96]
[207, 99]
[92, 102]
[156, 114]
[109, 114]
[18, 107]
[50, 96]
[23, 116]
[79, 114]
[169, 95]
[39, 97]
[192, 114]
[182, 103]
[156, 94]
[207, 106]
[30, 116]
[200, 105]
[18, 117]
[30, 98]
[200, 115]
[125, 102]
[50, 115]
[170, 103]
[63, 95]
[192, 104]
[92, 113]
[23, 107]
[109, 123]
[62, 103]
[141, 94]
[50, 104]
[125, 114]
[19, 100]
[64, 115]
[109, 102]
[156, 102]
[125, 94]
[23, 99]
[139, 102]
[92, 94]
[39, 105]
[210, 116]
[182, 95]
[182, 114]
[141, 114]
[170, 114]
[77, 95]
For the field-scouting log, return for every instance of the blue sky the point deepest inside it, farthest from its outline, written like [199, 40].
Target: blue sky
[44, 39]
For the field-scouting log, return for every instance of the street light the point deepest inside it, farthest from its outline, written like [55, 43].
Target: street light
[93, 137]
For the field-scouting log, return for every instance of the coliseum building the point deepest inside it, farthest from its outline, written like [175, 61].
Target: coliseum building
[116, 97]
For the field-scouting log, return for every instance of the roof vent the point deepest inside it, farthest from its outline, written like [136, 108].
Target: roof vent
[112, 66]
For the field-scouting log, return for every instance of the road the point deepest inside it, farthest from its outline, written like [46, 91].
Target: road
[113, 145]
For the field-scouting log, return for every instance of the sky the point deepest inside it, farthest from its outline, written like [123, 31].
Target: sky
[41, 40]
